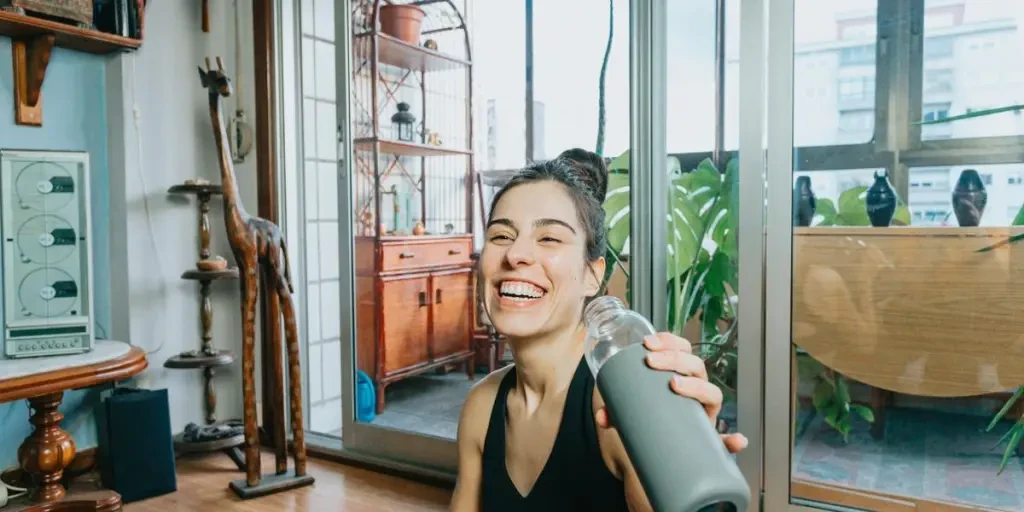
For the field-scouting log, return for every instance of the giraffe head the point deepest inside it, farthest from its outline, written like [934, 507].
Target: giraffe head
[215, 80]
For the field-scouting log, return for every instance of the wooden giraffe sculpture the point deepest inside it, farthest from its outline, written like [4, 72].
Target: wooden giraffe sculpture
[259, 251]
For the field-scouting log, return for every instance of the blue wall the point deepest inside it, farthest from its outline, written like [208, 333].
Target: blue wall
[75, 119]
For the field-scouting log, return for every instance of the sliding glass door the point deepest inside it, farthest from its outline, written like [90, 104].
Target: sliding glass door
[431, 125]
[894, 282]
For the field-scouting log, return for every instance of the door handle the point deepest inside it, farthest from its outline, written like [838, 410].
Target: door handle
[423, 299]
[438, 299]
[453, 252]
[407, 255]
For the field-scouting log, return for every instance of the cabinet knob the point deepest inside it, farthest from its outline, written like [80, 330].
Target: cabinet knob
[407, 255]
[423, 299]
[437, 300]
[453, 252]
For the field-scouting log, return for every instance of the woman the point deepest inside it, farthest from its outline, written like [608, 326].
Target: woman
[535, 436]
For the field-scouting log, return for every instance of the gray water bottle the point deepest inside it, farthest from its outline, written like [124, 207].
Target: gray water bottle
[679, 457]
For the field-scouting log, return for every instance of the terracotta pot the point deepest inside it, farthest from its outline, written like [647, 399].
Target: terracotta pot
[402, 22]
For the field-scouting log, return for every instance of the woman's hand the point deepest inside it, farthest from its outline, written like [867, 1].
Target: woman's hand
[672, 353]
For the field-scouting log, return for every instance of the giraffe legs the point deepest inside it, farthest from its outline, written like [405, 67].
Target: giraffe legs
[294, 379]
[249, 275]
[279, 303]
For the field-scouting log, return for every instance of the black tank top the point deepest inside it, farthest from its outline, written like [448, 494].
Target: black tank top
[575, 476]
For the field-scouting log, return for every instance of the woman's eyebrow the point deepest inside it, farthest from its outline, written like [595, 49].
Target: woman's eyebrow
[539, 223]
[503, 222]
[553, 222]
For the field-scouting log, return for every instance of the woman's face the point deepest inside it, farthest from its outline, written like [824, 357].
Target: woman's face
[533, 264]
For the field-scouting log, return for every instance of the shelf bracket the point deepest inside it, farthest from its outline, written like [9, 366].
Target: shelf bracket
[30, 56]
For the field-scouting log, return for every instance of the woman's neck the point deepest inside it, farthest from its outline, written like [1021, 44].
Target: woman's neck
[545, 366]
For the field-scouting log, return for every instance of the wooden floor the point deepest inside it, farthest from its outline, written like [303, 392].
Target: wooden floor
[203, 485]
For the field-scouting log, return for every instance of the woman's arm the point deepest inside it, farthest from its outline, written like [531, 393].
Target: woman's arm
[476, 413]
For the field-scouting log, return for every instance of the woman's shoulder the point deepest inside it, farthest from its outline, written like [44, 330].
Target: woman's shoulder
[476, 411]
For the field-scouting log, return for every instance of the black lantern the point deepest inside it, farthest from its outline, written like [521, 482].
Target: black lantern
[402, 122]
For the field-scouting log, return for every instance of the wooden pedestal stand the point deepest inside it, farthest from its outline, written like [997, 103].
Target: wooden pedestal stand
[207, 358]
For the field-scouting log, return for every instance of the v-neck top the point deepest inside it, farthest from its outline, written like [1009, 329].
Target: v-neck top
[574, 477]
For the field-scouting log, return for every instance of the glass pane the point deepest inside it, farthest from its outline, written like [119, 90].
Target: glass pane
[968, 45]
[905, 342]
[834, 62]
[318, 213]
[412, 218]
[705, 313]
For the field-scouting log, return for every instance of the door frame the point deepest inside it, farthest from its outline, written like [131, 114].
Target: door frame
[778, 442]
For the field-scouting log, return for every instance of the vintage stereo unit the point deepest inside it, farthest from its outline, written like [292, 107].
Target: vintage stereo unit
[47, 253]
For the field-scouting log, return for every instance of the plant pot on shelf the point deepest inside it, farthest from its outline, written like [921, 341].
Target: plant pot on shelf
[402, 22]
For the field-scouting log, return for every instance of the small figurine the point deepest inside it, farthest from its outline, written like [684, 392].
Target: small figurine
[430, 44]
[418, 229]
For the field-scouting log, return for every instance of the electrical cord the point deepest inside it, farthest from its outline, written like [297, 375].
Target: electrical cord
[137, 123]
[9, 492]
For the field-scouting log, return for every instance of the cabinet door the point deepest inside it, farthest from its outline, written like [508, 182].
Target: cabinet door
[452, 294]
[406, 305]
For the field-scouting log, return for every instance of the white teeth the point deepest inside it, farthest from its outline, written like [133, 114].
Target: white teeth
[520, 291]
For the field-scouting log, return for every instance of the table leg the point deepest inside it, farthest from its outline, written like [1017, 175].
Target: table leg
[45, 454]
[49, 449]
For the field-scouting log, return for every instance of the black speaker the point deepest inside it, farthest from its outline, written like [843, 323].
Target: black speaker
[136, 448]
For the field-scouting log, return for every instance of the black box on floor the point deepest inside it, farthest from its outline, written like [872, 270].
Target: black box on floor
[136, 447]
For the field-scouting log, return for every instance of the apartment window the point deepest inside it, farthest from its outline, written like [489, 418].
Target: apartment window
[938, 81]
[938, 47]
[857, 55]
[857, 88]
[856, 120]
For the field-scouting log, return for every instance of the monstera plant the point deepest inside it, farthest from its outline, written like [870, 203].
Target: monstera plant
[701, 280]
[701, 255]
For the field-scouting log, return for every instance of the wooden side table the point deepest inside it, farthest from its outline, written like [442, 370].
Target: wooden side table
[49, 449]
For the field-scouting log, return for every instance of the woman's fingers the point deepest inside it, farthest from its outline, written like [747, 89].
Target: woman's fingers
[682, 363]
[734, 442]
[708, 394]
[666, 341]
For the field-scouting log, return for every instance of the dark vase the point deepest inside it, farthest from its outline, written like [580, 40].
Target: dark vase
[969, 198]
[804, 202]
[881, 201]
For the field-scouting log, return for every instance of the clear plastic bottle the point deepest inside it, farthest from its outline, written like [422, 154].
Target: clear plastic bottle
[678, 456]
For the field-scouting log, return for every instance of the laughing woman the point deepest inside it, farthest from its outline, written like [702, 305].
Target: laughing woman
[535, 436]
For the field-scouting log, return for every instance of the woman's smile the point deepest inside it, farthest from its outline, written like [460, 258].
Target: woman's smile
[519, 294]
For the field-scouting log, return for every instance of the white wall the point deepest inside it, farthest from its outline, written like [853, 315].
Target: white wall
[172, 141]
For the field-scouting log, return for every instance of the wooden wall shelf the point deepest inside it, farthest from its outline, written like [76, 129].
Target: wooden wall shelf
[32, 40]
[20, 26]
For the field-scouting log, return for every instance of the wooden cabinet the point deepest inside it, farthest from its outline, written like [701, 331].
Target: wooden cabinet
[416, 314]
[412, 156]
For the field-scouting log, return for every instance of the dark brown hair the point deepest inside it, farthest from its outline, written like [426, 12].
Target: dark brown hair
[584, 175]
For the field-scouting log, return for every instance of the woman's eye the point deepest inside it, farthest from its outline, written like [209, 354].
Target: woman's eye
[548, 239]
[498, 238]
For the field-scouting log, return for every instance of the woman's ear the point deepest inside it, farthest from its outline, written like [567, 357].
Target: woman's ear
[595, 277]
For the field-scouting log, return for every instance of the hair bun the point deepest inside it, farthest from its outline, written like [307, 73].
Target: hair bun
[591, 169]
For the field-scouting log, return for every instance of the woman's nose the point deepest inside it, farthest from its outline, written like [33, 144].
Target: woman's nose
[520, 253]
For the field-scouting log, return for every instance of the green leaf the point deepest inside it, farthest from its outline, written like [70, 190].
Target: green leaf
[852, 208]
[1019, 219]
[976, 113]
[827, 210]
[842, 390]
[832, 417]
[1006, 408]
[864, 412]
[616, 210]
[620, 163]
[1011, 448]
[822, 396]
